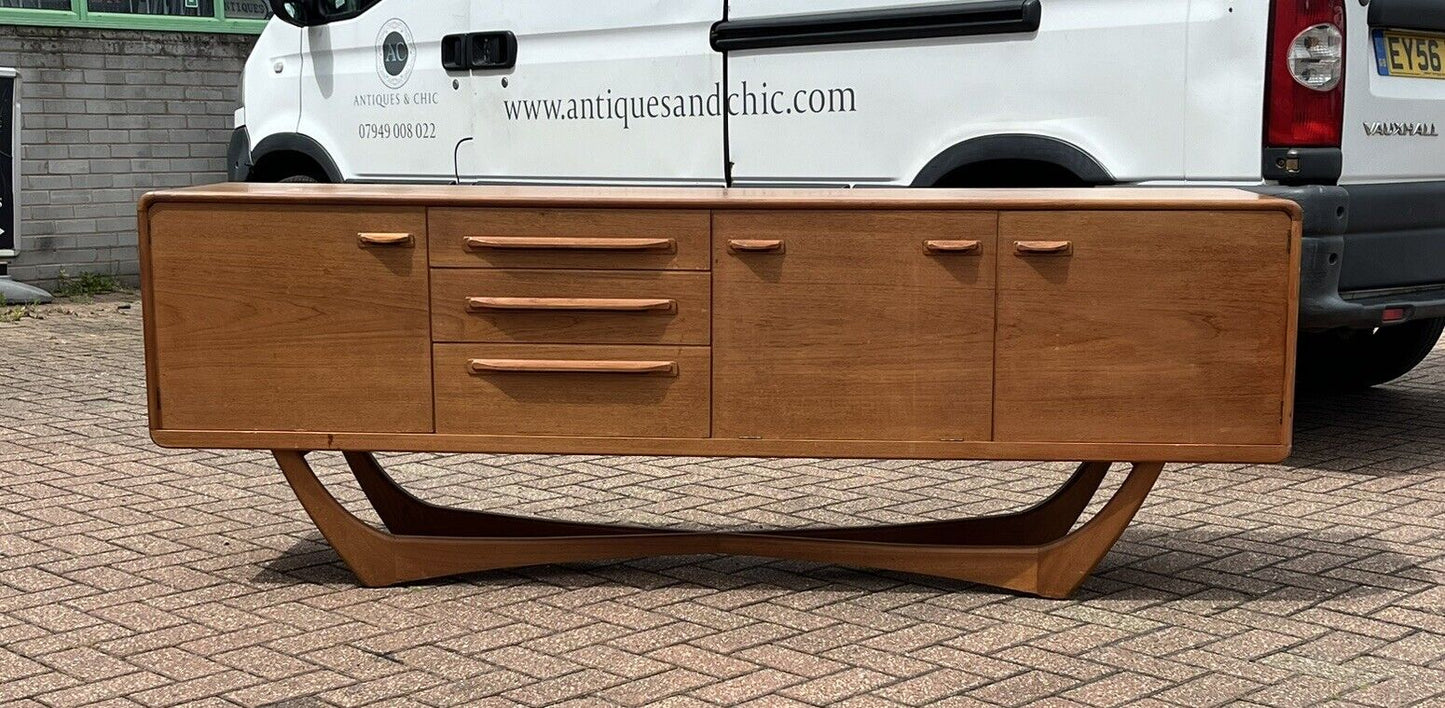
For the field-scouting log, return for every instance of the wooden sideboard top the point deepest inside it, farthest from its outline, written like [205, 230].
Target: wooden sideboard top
[1110, 198]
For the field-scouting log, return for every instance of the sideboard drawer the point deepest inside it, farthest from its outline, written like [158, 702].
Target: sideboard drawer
[613, 239]
[571, 307]
[573, 391]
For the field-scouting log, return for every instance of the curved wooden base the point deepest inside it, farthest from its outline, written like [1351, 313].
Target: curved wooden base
[1032, 551]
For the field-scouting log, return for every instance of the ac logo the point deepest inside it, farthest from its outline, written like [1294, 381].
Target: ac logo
[394, 53]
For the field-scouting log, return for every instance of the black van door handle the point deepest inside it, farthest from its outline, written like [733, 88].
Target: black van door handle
[479, 51]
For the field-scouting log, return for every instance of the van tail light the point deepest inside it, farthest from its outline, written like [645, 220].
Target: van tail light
[1305, 88]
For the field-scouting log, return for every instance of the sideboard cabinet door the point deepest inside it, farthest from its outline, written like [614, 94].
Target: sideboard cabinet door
[290, 319]
[853, 325]
[1140, 327]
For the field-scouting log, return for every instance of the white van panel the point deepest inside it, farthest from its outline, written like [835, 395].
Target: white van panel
[915, 99]
[1224, 128]
[595, 94]
[273, 82]
[379, 126]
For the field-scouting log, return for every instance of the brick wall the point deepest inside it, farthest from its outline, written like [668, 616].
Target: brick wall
[109, 115]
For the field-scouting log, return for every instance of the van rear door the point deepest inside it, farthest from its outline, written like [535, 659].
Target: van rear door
[602, 92]
[1394, 92]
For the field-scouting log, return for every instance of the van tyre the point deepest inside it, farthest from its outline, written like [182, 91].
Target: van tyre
[1350, 360]
[299, 179]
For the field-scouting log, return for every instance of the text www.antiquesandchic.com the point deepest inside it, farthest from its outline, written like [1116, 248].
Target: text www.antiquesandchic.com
[627, 109]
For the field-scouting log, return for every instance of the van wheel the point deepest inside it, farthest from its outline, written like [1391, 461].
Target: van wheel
[299, 179]
[1350, 360]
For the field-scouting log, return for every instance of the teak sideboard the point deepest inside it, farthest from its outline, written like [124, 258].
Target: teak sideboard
[1143, 325]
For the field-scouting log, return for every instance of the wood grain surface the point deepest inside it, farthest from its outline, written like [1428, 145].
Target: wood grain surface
[1157, 328]
[853, 332]
[278, 319]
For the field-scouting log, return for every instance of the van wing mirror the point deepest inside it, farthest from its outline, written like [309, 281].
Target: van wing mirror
[296, 12]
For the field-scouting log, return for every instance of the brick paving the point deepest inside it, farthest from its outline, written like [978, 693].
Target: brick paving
[131, 575]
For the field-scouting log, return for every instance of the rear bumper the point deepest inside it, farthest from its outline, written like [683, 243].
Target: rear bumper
[1368, 249]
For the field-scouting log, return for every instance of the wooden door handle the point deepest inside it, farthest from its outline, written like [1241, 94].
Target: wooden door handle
[550, 366]
[543, 243]
[952, 247]
[374, 240]
[756, 246]
[1043, 248]
[570, 304]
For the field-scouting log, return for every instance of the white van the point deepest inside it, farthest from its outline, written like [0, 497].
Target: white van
[1336, 104]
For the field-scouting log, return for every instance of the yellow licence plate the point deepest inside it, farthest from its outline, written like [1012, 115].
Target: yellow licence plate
[1409, 54]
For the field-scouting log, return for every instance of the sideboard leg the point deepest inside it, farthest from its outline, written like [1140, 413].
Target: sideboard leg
[1046, 521]
[402, 513]
[1065, 564]
[364, 549]
[1053, 569]
[1031, 551]
[381, 559]
[406, 515]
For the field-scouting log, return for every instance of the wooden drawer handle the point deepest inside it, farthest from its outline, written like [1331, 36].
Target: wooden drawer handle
[540, 243]
[756, 246]
[549, 366]
[1043, 248]
[570, 304]
[374, 240]
[953, 247]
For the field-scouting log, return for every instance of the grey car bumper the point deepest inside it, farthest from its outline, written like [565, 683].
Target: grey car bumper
[1369, 249]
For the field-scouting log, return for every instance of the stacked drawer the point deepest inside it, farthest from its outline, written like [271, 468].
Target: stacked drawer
[572, 323]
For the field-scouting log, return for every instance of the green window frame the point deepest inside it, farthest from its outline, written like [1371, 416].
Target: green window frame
[80, 15]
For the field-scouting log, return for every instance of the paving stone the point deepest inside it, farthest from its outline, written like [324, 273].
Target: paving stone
[1401, 691]
[1209, 690]
[88, 664]
[296, 690]
[381, 689]
[1024, 689]
[1117, 689]
[191, 691]
[481, 690]
[96, 691]
[847, 683]
[1301, 692]
[175, 664]
[576, 685]
[703, 661]
[652, 690]
[930, 687]
[747, 687]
